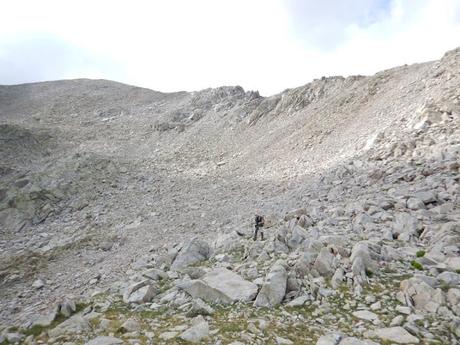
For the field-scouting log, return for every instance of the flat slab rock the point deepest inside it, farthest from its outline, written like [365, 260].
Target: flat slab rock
[221, 286]
[394, 334]
[75, 325]
[366, 315]
[104, 340]
[337, 339]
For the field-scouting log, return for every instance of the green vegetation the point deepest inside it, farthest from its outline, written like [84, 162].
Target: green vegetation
[416, 265]
[420, 254]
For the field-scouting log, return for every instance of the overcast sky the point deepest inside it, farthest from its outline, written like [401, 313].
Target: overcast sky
[265, 45]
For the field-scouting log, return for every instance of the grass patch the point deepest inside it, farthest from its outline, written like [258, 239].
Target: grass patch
[369, 273]
[420, 253]
[416, 265]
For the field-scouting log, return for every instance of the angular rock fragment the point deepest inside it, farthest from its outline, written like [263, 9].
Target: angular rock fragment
[199, 307]
[274, 287]
[66, 307]
[366, 315]
[141, 292]
[194, 251]
[421, 295]
[324, 263]
[198, 331]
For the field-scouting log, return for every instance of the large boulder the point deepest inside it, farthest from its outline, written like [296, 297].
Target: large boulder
[226, 243]
[194, 251]
[141, 292]
[421, 295]
[338, 278]
[297, 236]
[405, 226]
[427, 115]
[449, 278]
[274, 287]
[367, 253]
[324, 263]
[305, 262]
[220, 286]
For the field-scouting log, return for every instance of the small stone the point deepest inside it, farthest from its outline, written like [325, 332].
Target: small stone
[370, 299]
[338, 278]
[141, 292]
[66, 308]
[14, 338]
[155, 274]
[105, 323]
[366, 315]
[415, 204]
[397, 321]
[299, 301]
[253, 329]
[414, 317]
[168, 335]
[38, 284]
[376, 305]
[130, 325]
[106, 245]
[199, 307]
[197, 332]
[283, 341]
[356, 341]
[329, 339]
[403, 310]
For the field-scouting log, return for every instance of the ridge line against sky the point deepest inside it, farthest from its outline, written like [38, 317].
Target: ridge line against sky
[265, 45]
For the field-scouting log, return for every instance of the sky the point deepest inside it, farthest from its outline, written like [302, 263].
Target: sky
[264, 45]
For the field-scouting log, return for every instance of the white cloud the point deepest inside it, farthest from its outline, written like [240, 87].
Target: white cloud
[172, 45]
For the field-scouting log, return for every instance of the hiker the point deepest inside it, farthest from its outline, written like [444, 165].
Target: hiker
[259, 224]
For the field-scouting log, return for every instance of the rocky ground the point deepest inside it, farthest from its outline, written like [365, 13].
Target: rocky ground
[126, 214]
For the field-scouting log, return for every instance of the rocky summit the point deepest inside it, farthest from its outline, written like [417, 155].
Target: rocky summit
[127, 215]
